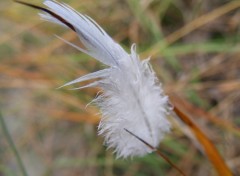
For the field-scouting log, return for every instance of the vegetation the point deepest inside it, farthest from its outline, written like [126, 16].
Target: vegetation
[194, 49]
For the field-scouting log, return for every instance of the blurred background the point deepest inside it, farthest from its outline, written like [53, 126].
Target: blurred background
[195, 50]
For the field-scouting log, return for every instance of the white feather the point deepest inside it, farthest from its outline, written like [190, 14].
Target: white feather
[132, 98]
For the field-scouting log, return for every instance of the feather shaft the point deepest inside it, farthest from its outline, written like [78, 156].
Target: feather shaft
[132, 97]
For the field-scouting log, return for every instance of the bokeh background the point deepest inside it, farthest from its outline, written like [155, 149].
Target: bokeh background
[195, 50]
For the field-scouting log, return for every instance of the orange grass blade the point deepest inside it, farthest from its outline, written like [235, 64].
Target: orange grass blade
[75, 117]
[209, 148]
[208, 116]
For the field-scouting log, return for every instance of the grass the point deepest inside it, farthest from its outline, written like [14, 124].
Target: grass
[194, 53]
[12, 145]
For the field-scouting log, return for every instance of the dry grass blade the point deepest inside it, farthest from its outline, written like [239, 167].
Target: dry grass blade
[202, 21]
[210, 150]
[195, 51]
[193, 25]
[75, 117]
[202, 114]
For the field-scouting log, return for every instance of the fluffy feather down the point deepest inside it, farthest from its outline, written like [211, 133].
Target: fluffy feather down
[132, 98]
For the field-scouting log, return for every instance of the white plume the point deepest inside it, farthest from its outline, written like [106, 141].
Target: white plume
[132, 97]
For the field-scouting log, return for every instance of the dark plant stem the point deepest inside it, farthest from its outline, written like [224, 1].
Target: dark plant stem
[157, 151]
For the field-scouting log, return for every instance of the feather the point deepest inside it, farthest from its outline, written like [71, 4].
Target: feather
[94, 38]
[132, 98]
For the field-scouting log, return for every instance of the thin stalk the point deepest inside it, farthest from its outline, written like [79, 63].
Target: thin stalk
[158, 152]
[12, 145]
